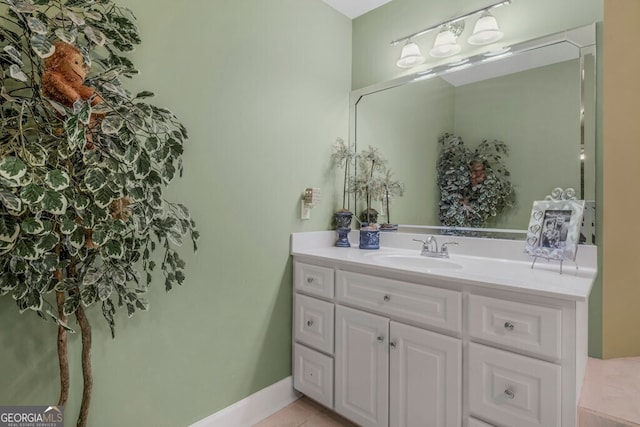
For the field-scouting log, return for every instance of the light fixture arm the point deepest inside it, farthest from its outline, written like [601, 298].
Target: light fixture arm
[449, 21]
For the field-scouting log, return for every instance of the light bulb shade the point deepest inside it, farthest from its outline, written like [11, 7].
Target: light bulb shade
[410, 56]
[445, 44]
[485, 31]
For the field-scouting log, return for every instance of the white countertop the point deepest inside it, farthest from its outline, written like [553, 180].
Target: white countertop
[491, 263]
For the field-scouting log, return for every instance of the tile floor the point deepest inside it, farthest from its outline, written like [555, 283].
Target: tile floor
[306, 413]
[611, 393]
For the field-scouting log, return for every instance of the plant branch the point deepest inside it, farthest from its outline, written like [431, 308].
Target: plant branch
[87, 377]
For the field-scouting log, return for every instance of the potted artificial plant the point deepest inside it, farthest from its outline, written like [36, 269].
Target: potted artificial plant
[391, 188]
[369, 184]
[83, 168]
[342, 157]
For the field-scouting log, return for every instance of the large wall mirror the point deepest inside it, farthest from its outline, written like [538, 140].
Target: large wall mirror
[538, 98]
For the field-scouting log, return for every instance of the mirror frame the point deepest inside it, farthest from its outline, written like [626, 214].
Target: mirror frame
[584, 38]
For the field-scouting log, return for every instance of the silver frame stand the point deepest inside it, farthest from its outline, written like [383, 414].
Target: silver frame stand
[535, 258]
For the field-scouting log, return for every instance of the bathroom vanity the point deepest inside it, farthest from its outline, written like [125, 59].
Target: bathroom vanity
[392, 338]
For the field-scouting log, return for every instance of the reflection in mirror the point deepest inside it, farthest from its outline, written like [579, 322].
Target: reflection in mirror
[534, 99]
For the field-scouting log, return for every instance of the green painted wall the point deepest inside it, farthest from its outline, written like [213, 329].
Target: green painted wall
[263, 89]
[374, 62]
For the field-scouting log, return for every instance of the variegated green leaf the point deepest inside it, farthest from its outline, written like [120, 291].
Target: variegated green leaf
[81, 201]
[12, 168]
[54, 202]
[76, 238]
[67, 36]
[10, 200]
[104, 196]
[137, 194]
[79, 21]
[26, 249]
[142, 166]
[99, 235]
[14, 54]
[47, 242]
[32, 226]
[95, 179]
[82, 109]
[50, 261]
[32, 194]
[88, 295]
[71, 304]
[16, 73]
[93, 15]
[68, 226]
[34, 154]
[92, 275]
[37, 26]
[9, 230]
[105, 289]
[95, 35]
[132, 153]
[22, 6]
[113, 249]
[57, 179]
[41, 46]
[111, 124]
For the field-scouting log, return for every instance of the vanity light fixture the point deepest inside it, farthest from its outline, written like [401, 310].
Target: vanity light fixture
[485, 31]
[410, 56]
[446, 43]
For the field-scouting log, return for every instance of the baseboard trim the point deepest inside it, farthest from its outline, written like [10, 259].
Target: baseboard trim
[254, 408]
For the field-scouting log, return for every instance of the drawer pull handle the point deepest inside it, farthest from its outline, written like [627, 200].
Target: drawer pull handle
[380, 338]
[392, 344]
[309, 323]
[508, 326]
[309, 279]
[387, 298]
[509, 393]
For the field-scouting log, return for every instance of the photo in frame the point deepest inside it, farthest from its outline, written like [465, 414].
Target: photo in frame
[554, 229]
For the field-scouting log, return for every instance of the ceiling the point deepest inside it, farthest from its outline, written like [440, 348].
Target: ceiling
[354, 8]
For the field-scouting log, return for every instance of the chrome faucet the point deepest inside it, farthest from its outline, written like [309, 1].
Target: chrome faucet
[430, 247]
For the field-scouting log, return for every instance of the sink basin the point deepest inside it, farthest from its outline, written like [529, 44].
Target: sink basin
[416, 261]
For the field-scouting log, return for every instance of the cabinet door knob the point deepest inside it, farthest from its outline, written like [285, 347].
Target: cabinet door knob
[380, 338]
[309, 323]
[309, 279]
[508, 326]
[392, 344]
[509, 393]
[387, 298]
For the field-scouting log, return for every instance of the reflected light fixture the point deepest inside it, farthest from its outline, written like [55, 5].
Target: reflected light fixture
[446, 43]
[485, 31]
[410, 55]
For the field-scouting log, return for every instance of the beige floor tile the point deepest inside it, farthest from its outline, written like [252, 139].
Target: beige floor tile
[292, 415]
[326, 420]
[590, 419]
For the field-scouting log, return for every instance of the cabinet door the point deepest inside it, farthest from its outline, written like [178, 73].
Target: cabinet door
[362, 367]
[425, 378]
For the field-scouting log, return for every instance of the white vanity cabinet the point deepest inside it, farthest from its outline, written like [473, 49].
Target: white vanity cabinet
[388, 348]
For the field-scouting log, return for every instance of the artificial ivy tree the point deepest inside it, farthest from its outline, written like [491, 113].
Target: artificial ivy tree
[474, 184]
[81, 200]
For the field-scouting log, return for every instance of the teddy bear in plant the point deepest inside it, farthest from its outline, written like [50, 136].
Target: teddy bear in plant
[64, 74]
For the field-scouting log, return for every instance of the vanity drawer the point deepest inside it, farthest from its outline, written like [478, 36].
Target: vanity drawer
[313, 374]
[532, 328]
[422, 304]
[313, 279]
[314, 323]
[513, 390]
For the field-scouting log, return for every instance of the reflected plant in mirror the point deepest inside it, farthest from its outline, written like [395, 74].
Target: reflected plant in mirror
[392, 189]
[474, 184]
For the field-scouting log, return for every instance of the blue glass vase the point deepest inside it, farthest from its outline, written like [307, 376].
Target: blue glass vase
[369, 239]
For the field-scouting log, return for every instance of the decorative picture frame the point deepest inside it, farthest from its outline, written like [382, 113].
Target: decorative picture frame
[554, 226]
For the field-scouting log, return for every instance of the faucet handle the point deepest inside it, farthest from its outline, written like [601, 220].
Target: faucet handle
[445, 246]
[427, 240]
